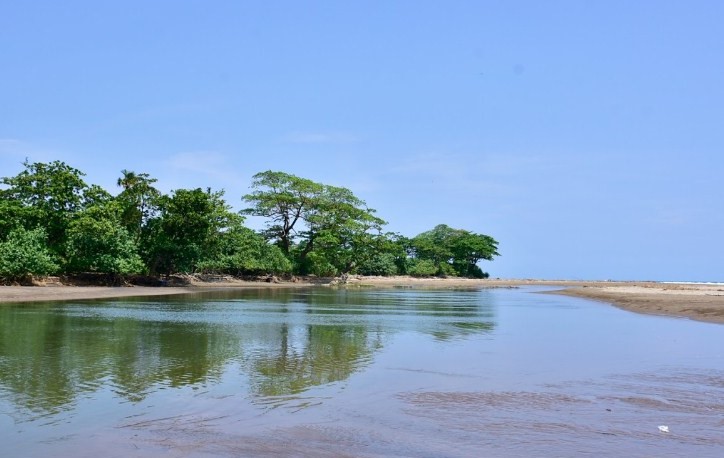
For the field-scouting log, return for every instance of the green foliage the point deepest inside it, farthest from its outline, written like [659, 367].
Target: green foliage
[98, 243]
[138, 200]
[24, 254]
[388, 256]
[241, 251]
[454, 251]
[422, 268]
[315, 229]
[12, 215]
[339, 231]
[51, 195]
[384, 264]
[185, 230]
[317, 264]
[285, 200]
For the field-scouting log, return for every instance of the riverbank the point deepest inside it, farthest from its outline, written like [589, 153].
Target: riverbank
[702, 302]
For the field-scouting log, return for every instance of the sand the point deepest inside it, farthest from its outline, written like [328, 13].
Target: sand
[703, 302]
[696, 302]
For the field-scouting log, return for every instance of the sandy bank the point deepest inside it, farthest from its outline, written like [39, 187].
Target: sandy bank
[701, 302]
[698, 302]
[58, 292]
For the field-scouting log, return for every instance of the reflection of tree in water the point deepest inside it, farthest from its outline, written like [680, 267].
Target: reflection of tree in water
[50, 354]
[327, 354]
[32, 361]
[47, 359]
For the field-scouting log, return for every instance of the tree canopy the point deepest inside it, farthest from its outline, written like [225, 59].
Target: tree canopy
[324, 229]
[454, 251]
[51, 221]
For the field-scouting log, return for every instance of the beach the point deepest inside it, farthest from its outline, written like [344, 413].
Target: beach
[702, 302]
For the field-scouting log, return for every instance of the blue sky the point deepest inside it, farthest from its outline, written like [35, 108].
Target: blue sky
[585, 136]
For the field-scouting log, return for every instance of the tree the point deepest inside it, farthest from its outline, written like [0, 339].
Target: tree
[185, 230]
[241, 251]
[97, 242]
[454, 251]
[24, 254]
[388, 256]
[337, 228]
[51, 194]
[285, 199]
[13, 215]
[138, 200]
[342, 231]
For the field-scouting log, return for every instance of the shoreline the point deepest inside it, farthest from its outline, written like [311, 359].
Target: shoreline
[701, 302]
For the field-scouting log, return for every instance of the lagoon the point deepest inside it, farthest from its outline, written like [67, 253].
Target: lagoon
[357, 372]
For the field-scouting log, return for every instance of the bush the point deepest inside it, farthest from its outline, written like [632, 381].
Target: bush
[244, 252]
[446, 270]
[421, 268]
[101, 245]
[24, 253]
[382, 264]
[318, 265]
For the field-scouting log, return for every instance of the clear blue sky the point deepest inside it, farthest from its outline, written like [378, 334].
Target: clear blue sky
[586, 136]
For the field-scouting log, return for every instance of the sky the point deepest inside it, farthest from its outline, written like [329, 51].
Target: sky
[587, 137]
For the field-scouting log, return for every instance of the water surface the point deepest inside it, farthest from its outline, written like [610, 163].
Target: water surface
[362, 372]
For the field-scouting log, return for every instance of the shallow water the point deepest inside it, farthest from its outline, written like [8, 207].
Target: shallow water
[325, 372]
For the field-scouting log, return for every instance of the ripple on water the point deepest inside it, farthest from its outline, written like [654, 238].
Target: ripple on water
[617, 416]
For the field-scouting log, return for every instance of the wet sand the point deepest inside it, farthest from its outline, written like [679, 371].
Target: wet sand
[696, 302]
[702, 302]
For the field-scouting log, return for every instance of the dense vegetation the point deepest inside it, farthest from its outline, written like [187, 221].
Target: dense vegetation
[52, 221]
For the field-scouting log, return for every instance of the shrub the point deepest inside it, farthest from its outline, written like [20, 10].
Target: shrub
[421, 268]
[24, 253]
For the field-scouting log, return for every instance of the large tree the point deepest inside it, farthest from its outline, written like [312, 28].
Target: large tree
[185, 231]
[139, 200]
[342, 232]
[284, 199]
[325, 229]
[50, 194]
[453, 251]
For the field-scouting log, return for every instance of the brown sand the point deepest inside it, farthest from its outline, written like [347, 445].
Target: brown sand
[698, 302]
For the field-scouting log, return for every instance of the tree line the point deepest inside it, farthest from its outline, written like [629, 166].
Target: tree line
[53, 222]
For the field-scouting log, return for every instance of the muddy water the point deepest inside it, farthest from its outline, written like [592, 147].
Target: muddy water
[359, 373]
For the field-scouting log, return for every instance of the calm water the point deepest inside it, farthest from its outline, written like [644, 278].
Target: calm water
[365, 373]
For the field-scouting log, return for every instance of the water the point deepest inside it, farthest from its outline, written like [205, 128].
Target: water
[364, 373]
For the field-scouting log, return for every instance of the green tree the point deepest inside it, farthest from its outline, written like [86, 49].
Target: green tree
[51, 194]
[285, 200]
[13, 215]
[454, 251]
[342, 231]
[97, 242]
[24, 254]
[185, 231]
[241, 251]
[334, 228]
[422, 268]
[388, 256]
[138, 200]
